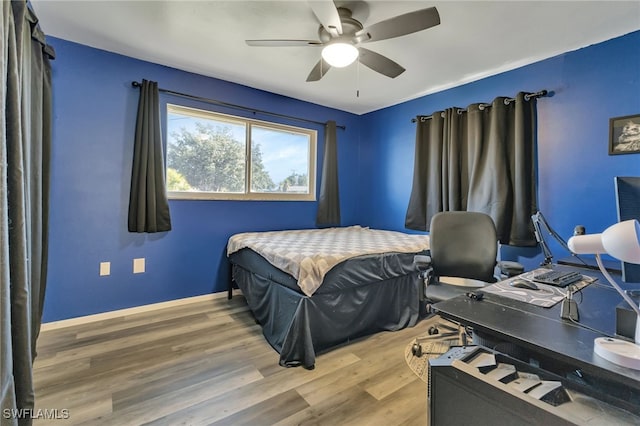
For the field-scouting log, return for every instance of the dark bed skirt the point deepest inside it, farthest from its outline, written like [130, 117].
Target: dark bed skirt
[299, 327]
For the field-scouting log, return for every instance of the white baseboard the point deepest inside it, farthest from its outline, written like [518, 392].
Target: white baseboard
[55, 325]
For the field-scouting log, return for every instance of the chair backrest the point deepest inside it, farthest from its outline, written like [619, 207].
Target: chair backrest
[463, 244]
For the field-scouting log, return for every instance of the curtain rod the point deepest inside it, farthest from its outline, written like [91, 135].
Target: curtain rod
[507, 101]
[228, 105]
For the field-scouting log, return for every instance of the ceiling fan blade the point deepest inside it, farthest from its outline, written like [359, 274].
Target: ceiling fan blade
[400, 25]
[283, 43]
[319, 70]
[380, 63]
[328, 15]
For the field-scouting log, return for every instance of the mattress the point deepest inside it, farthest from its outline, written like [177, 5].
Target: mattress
[308, 255]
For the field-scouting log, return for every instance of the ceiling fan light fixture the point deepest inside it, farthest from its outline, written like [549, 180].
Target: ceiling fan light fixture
[340, 54]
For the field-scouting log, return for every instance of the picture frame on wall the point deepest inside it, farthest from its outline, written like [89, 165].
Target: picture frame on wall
[624, 135]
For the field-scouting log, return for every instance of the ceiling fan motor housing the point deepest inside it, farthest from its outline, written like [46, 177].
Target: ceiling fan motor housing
[350, 27]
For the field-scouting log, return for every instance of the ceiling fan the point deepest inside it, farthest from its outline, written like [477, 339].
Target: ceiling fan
[340, 36]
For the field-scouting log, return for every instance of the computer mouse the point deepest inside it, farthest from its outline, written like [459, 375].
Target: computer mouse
[520, 283]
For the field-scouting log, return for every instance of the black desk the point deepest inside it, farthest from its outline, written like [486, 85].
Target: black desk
[553, 342]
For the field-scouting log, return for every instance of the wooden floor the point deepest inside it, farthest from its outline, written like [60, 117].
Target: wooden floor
[208, 363]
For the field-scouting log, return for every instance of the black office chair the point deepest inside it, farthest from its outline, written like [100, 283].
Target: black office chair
[463, 252]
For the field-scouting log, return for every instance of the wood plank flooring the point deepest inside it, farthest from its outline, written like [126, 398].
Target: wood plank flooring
[207, 363]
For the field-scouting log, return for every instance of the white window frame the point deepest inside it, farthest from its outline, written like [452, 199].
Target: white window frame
[248, 194]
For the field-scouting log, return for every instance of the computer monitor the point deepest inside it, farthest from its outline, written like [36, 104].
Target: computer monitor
[628, 204]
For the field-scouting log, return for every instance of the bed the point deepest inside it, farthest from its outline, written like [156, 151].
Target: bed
[312, 290]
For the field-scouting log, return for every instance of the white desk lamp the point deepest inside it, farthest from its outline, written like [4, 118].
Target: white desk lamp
[621, 241]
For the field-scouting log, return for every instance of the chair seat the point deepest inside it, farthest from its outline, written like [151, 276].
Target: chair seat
[462, 282]
[510, 269]
[436, 292]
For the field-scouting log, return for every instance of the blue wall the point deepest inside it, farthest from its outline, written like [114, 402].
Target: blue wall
[94, 120]
[576, 174]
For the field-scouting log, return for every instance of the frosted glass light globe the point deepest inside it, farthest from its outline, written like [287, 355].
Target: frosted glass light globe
[340, 55]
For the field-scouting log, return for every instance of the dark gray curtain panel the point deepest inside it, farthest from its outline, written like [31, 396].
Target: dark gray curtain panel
[329, 202]
[480, 160]
[24, 203]
[148, 204]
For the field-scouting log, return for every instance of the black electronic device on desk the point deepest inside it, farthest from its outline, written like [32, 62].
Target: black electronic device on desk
[474, 385]
[628, 203]
[557, 277]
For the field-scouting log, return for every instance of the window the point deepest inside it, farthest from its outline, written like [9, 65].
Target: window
[223, 157]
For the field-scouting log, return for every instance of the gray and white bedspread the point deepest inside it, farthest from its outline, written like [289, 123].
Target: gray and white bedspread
[309, 254]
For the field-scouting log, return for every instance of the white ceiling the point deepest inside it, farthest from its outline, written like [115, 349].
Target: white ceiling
[475, 39]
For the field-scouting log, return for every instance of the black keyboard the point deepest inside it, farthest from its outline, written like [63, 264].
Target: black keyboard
[557, 278]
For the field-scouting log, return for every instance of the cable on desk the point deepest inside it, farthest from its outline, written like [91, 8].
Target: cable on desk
[572, 290]
[586, 327]
[605, 286]
[581, 299]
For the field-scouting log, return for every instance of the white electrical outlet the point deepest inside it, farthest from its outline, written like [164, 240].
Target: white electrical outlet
[105, 269]
[138, 265]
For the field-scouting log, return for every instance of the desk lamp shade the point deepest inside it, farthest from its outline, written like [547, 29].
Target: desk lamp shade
[621, 241]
